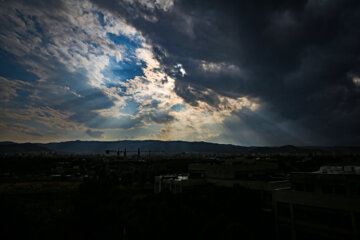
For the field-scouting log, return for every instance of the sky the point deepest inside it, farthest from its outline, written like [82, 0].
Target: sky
[252, 73]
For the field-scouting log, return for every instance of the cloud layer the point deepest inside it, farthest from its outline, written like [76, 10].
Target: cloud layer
[250, 73]
[94, 75]
[298, 59]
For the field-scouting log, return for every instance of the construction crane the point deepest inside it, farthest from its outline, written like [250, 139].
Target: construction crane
[155, 152]
[118, 152]
[115, 151]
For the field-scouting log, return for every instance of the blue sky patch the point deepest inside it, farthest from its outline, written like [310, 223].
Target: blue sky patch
[101, 18]
[132, 107]
[122, 71]
[131, 44]
[10, 69]
[178, 107]
[130, 67]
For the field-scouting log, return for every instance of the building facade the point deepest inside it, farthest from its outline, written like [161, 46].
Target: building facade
[319, 205]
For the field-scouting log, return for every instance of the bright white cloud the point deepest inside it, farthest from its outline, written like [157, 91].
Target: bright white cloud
[180, 69]
[220, 67]
[75, 37]
[164, 5]
[356, 81]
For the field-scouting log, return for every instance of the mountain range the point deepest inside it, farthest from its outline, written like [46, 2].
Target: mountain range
[99, 147]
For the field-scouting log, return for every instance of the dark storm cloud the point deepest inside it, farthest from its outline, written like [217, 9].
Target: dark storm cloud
[94, 134]
[159, 117]
[264, 128]
[298, 58]
[192, 93]
[53, 4]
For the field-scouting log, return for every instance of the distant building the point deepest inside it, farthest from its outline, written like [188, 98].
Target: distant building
[246, 173]
[320, 205]
[262, 176]
[174, 183]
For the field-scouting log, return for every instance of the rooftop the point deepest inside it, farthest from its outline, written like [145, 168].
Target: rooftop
[352, 170]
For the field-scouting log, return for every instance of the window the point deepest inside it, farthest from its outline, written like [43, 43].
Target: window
[196, 175]
[357, 219]
[241, 175]
[339, 190]
[309, 187]
[334, 189]
[299, 187]
[283, 209]
[322, 216]
[327, 189]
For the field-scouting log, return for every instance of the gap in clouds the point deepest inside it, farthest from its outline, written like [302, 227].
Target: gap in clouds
[92, 69]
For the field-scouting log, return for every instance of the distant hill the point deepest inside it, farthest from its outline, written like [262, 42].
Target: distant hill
[99, 147]
[22, 147]
[6, 143]
[152, 145]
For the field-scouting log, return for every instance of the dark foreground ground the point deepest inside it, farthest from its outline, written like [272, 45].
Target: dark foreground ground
[71, 210]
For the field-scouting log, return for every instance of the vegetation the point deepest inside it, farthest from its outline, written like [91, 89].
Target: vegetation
[118, 212]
